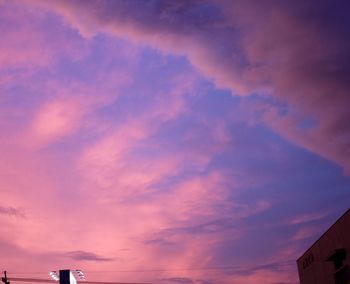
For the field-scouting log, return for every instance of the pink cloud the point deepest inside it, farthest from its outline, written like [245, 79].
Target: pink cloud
[102, 162]
[65, 110]
[307, 232]
[306, 218]
[57, 119]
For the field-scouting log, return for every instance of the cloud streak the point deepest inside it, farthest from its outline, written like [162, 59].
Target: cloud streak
[11, 211]
[86, 256]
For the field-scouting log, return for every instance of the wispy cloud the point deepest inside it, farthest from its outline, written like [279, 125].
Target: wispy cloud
[86, 256]
[12, 211]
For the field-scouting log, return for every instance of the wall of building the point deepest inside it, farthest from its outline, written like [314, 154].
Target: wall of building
[327, 261]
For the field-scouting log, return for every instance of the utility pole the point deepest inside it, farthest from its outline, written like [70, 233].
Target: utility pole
[4, 279]
[67, 277]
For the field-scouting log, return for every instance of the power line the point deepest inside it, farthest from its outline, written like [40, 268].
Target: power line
[32, 280]
[38, 280]
[230, 267]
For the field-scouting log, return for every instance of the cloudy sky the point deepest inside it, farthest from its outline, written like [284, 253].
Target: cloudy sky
[176, 142]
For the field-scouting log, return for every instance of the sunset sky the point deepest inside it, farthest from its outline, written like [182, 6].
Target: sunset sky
[171, 141]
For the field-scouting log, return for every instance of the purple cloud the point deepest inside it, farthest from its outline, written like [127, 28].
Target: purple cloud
[294, 52]
[86, 256]
[12, 211]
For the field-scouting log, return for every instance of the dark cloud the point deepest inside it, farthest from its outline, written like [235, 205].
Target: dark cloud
[273, 267]
[282, 283]
[214, 226]
[297, 52]
[11, 211]
[160, 242]
[88, 256]
[204, 282]
[181, 280]
[184, 280]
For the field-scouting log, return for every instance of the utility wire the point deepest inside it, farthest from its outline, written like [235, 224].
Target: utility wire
[197, 268]
[38, 280]
[231, 267]
[31, 280]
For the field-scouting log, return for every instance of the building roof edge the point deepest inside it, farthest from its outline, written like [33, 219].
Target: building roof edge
[341, 217]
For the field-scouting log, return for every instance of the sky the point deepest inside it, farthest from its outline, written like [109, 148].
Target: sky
[171, 142]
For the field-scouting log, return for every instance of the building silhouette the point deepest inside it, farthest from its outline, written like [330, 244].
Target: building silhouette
[327, 261]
